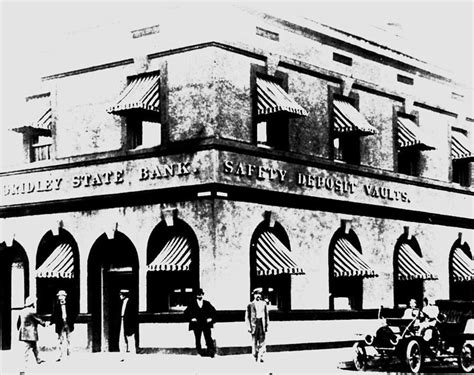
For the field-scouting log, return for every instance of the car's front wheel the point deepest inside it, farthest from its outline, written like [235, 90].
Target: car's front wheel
[413, 356]
[360, 357]
[466, 363]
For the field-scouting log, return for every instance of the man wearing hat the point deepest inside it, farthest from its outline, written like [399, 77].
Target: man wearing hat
[63, 318]
[28, 328]
[128, 325]
[256, 318]
[201, 316]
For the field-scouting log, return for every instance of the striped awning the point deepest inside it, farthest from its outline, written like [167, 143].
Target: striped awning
[349, 262]
[347, 119]
[143, 92]
[460, 147]
[39, 116]
[410, 135]
[271, 98]
[60, 264]
[463, 266]
[273, 257]
[411, 266]
[175, 256]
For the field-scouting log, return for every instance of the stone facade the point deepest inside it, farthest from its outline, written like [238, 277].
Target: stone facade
[211, 173]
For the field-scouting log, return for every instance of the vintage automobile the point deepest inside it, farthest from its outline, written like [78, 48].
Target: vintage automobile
[413, 342]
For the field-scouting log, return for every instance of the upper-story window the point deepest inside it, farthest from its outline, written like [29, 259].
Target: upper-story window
[461, 155]
[37, 136]
[139, 103]
[411, 141]
[348, 126]
[274, 107]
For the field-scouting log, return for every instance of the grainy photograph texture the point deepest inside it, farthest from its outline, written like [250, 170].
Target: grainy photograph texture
[252, 187]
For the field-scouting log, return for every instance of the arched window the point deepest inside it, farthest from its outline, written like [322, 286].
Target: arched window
[57, 268]
[272, 264]
[173, 266]
[14, 288]
[112, 266]
[461, 272]
[347, 269]
[410, 270]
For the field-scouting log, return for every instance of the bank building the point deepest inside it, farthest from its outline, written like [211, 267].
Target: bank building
[331, 170]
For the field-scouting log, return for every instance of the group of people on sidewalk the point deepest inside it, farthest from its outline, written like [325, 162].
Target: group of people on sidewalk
[200, 314]
[63, 318]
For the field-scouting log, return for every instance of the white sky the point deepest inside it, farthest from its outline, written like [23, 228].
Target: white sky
[438, 31]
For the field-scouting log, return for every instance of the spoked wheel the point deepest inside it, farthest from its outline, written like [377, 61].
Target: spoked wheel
[466, 363]
[360, 357]
[413, 356]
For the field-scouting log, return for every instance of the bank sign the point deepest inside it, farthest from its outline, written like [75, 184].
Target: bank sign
[225, 169]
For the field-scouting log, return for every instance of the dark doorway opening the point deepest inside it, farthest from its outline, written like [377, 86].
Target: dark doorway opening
[112, 265]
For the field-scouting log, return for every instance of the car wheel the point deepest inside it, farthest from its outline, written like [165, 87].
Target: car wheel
[360, 357]
[466, 363]
[413, 356]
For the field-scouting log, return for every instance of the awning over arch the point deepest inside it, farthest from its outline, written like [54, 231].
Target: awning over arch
[60, 264]
[463, 266]
[411, 266]
[143, 92]
[410, 135]
[274, 258]
[347, 119]
[349, 262]
[175, 256]
[271, 98]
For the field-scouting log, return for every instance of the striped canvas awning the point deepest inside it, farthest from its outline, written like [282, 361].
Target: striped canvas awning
[349, 262]
[143, 92]
[271, 98]
[273, 257]
[175, 256]
[411, 266]
[39, 116]
[347, 119]
[460, 147]
[463, 266]
[60, 264]
[410, 135]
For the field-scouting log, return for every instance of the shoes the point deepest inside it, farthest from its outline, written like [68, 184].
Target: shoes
[40, 361]
[261, 360]
[58, 360]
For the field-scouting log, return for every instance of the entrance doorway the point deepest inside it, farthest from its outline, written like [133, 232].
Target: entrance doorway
[14, 287]
[112, 265]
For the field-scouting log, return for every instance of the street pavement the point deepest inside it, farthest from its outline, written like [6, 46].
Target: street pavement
[322, 361]
[325, 361]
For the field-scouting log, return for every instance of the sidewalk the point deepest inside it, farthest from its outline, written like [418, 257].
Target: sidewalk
[305, 361]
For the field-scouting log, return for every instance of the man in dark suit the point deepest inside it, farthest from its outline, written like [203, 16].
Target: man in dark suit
[63, 319]
[28, 329]
[201, 316]
[128, 325]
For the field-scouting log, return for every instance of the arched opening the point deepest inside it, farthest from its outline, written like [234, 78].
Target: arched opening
[410, 270]
[461, 272]
[173, 266]
[112, 265]
[14, 288]
[271, 264]
[347, 270]
[57, 268]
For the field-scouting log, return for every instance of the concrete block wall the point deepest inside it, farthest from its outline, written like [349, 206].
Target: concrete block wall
[310, 233]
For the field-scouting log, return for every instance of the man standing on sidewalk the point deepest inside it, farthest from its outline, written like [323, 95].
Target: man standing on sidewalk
[128, 325]
[256, 318]
[28, 329]
[201, 314]
[63, 318]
